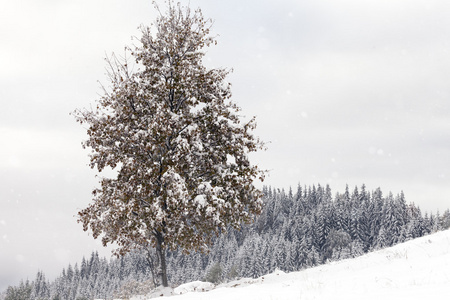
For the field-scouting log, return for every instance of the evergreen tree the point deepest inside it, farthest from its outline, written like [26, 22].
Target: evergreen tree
[214, 274]
[445, 220]
[22, 292]
[40, 288]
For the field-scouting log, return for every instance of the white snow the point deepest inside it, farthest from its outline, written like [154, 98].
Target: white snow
[418, 269]
[201, 200]
[196, 286]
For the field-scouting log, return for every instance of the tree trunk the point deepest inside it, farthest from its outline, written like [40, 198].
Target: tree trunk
[152, 266]
[160, 251]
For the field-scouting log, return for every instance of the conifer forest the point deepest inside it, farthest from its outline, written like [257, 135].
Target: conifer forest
[296, 230]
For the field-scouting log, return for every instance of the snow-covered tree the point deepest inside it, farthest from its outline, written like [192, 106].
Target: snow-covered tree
[168, 128]
[214, 274]
[21, 292]
[40, 287]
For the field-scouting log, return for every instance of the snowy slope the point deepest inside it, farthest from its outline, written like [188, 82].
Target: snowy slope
[418, 269]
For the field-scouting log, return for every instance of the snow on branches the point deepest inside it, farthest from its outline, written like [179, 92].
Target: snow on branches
[175, 139]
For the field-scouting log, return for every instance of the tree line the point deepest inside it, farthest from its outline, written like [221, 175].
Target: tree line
[296, 230]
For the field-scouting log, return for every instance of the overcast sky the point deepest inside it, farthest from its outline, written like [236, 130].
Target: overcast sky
[345, 92]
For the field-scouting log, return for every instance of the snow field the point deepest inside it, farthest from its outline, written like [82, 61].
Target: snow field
[418, 269]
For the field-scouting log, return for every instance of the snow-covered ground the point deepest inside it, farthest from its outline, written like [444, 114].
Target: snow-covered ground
[418, 269]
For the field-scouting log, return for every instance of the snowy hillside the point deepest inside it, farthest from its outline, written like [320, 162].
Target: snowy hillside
[418, 269]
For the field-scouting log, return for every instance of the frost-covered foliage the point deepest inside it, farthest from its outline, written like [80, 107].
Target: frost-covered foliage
[21, 292]
[309, 227]
[180, 150]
